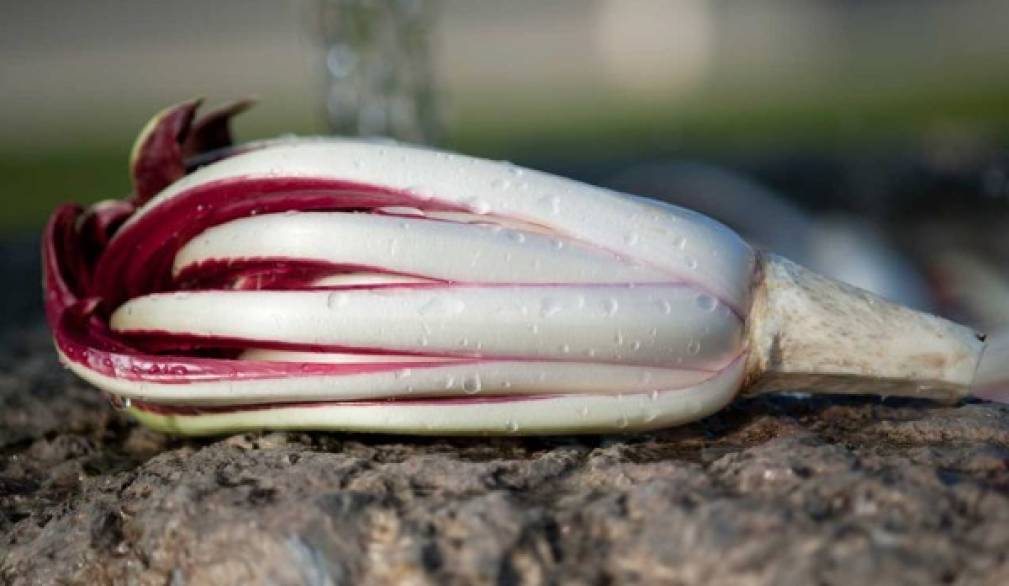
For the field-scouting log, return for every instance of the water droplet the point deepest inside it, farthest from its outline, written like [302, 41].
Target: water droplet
[471, 385]
[516, 171]
[534, 328]
[404, 373]
[500, 184]
[557, 243]
[550, 306]
[340, 60]
[623, 422]
[631, 238]
[706, 302]
[690, 261]
[552, 203]
[449, 382]
[443, 306]
[636, 345]
[665, 306]
[336, 299]
[584, 411]
[680, 242]
[610, 307]
[512, 426]
[119, 403]
[478, 206]
[565, 348]
[619, 338]
[693, 347]
[517, 236]
[654, 395]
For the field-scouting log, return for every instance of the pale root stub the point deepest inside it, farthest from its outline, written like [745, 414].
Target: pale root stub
[810, 333]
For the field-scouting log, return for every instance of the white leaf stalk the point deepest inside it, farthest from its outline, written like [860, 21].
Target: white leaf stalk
[347, 285]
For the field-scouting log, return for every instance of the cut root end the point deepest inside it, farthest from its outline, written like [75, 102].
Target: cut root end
[809, 333]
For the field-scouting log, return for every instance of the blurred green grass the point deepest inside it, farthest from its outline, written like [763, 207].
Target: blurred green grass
[36, 181]
[824, 120]
[36, 178]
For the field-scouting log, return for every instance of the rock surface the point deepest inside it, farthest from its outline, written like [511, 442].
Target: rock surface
[783, 490]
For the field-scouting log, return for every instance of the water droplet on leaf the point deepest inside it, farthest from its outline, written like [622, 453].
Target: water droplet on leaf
[550, 306]
[517, 236]
[336, 300]
[472, 384]
[706, 302]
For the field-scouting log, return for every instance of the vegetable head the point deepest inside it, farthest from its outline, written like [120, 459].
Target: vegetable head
[346, 284]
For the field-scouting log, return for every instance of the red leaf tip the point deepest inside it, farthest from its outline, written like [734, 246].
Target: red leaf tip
[174, 136]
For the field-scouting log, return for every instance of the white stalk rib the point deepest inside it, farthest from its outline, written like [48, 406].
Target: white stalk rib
[653, 325]
[544, 415]
[434, 249]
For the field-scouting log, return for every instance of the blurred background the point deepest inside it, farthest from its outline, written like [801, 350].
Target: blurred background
[865, 139]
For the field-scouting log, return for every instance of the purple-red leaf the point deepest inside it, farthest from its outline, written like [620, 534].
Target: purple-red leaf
[212, 131]
[174, 137]
[157, 159]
